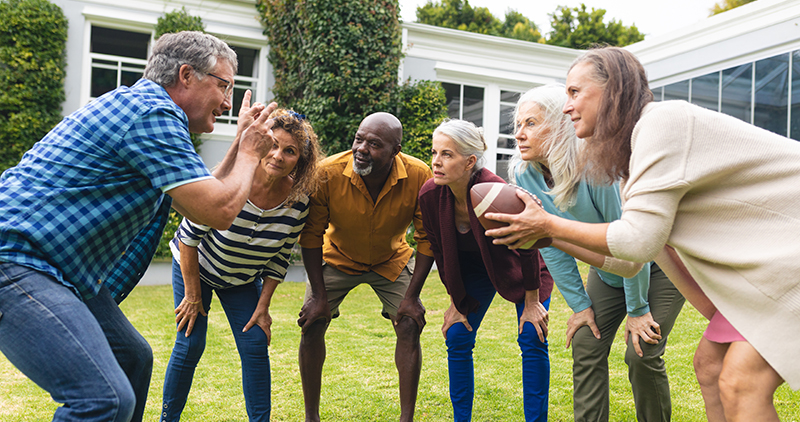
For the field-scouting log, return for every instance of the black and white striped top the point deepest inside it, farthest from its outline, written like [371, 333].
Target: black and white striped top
[257, 245]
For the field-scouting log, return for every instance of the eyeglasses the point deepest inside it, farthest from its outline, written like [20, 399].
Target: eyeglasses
[228, 88]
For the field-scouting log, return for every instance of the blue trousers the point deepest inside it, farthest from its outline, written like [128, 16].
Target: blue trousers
[87, 355]
[239, 304]
[460, 342]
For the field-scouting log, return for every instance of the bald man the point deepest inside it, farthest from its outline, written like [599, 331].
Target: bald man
[357, 224]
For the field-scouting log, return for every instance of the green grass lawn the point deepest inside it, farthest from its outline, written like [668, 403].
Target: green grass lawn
[360, 380]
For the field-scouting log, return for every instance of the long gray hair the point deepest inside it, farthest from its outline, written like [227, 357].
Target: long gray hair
[561, 145]
[198, 50]
[467, 137]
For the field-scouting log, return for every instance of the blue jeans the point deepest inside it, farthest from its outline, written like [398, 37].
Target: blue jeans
[87, 355]
[239, 304]
[460, 342]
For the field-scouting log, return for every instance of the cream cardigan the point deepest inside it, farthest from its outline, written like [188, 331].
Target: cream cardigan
[726, 196]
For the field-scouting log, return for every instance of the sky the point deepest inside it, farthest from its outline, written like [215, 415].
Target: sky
[652, 17]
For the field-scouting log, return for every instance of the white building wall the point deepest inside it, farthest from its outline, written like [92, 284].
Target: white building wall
[751, 32]
[234, 21]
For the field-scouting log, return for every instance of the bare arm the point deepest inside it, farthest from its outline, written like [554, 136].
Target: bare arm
[192, 303]
[261, 316]
[247, 115]
[316, 307]
[217, 202]
[535, 223]
[669, 262]
[411, 305]
[535, 313]
[609, 264]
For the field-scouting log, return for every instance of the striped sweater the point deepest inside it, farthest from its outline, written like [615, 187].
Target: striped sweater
[257, 245]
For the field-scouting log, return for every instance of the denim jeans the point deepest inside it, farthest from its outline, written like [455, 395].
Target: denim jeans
[87, 355]
[460, 342]
[239, 304]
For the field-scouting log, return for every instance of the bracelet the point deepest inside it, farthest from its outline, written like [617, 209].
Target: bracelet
[192, 303]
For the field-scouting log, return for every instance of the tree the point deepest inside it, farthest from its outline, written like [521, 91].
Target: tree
[460, 15]
[519, 27]
[177, 21]
[578, 28]
[726, 5]
[336, 61]
[33, 40]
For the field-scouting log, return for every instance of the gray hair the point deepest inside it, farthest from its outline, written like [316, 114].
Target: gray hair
[467, 137]
[198, 50]
[561, 145]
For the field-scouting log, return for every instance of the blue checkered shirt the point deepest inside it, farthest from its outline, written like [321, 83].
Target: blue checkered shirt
[85, 204]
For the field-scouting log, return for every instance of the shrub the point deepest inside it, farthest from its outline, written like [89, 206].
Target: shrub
[33, 36]
[177, 21]
[336, 61]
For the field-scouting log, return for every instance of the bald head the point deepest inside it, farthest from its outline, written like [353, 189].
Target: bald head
[386, 125]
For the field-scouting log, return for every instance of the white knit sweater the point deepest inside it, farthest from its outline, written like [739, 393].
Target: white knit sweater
[726, 196]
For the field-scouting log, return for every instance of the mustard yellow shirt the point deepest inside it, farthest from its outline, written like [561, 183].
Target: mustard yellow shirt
[358, 235]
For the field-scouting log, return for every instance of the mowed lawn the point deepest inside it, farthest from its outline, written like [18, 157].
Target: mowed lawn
[360, 380]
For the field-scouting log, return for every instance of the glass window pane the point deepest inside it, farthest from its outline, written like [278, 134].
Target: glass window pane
[705, 91]
[473, 105]
[452, 94]
[103, 80]
[502, 166]
[658, 94]
[130, 78]
[772, 93]
[507, 120]
[506, 142]
[736, 89]
[795, 129]
[248, 61]
[677, 91]
[119, 43]
[509, 96]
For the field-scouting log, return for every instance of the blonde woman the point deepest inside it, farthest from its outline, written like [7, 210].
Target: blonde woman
[715, 201]
[546, 164]
[474, 270]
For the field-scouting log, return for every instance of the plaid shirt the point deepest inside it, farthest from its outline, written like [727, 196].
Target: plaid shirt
[85, 204]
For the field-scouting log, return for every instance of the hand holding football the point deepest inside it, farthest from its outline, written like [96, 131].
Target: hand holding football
[501, 198]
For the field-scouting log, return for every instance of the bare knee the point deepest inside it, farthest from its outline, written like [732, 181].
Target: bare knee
[407, 331]
[315, 334]
[707, 368]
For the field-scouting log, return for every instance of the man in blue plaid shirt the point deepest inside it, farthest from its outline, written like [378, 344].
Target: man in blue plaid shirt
[82, 213]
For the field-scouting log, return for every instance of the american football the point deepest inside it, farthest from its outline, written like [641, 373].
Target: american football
[500, 198]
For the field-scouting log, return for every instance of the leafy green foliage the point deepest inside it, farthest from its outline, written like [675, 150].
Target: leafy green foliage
[336, 61]
[726, 5]
[177, 21]
[170, 23]
[578, 28]
[33, 36]
[163, 252]
[460, 15]
[421, 107]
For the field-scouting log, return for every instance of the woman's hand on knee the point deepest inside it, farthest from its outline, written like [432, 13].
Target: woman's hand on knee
[578, 320]
[186, 314]
[644, 327]
[451, 317]
[537, 315]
